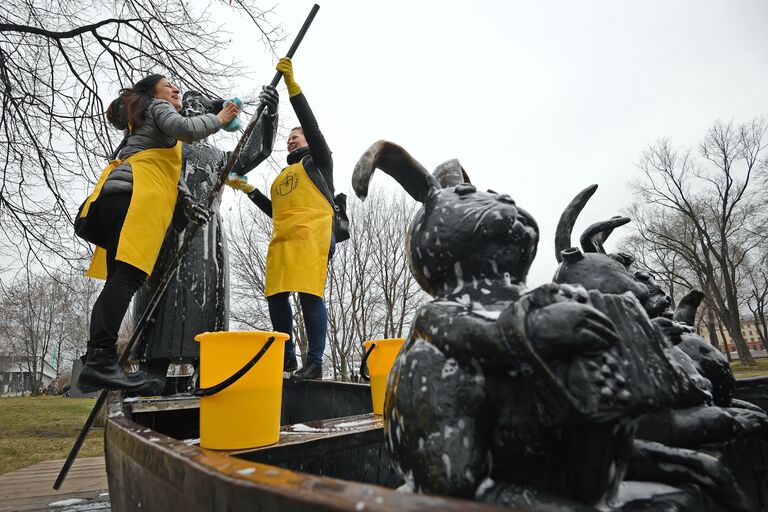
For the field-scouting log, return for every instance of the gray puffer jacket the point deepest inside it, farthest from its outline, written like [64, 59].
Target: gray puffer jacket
[162, 127]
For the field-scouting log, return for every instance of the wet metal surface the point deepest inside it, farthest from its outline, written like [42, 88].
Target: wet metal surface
[157, 472]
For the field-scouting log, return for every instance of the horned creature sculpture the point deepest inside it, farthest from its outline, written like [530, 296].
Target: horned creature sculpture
[515, 396]
[705, 413]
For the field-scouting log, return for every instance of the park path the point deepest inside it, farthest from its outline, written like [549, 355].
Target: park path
[31, 489]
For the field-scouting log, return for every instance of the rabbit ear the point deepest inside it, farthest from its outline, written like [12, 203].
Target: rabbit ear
[568, 219]
[395, 161]
[450, 174]
[593, 237]
[686, 309]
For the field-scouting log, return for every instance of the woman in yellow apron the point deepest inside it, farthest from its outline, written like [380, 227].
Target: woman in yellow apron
[302, 240]
[128, 212]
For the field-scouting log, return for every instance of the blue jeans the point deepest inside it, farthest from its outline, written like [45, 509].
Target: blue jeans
[315, 319]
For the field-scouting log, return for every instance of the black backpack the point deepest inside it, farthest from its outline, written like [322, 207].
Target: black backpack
[339, 205]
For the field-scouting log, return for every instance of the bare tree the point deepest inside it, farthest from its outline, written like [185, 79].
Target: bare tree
[6, 349]
[75, 317]
[58, 62]
[651, 256]
[666, 247]
[708, 318]
[46, 318]
[756, 294]
[400, 292]
[372, 293]
[756, 286]
[32, 305]
[351, 297]
[704, 209]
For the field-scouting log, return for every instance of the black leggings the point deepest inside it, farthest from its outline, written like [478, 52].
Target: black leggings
[123, 280]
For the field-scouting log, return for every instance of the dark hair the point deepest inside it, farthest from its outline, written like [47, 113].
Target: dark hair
[128, 108]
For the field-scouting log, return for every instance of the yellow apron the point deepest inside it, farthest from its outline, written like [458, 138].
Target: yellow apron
[297, 259]
[156, 175]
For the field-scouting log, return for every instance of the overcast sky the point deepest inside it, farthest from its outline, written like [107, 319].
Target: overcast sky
[536, 99]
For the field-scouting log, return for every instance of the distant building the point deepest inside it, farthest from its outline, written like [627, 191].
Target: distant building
[748, 331]
[15, 378]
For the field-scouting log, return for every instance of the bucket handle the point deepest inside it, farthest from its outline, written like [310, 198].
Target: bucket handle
[221, 386]
[363, 362]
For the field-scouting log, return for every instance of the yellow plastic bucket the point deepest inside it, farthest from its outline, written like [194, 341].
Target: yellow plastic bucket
[247, 413]
[379, 364]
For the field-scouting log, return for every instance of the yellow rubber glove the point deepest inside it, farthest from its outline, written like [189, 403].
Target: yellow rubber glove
[238, 182]
[285, 66]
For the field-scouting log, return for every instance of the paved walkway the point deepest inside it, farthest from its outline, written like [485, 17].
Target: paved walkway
[31, 489]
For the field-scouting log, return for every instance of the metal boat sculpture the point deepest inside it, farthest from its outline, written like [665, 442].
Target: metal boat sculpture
[495, 402]
[330, 457]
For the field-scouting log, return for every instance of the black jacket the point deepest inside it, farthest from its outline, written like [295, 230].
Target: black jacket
[317, 157]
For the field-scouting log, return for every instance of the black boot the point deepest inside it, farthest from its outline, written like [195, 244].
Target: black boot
[290, 364]
[156, 374]
[101, 370]
[310, 371]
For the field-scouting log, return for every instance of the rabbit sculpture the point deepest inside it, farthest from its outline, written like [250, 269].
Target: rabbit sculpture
[500, 393]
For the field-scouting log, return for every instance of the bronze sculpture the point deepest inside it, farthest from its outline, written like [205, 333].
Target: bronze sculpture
[197, 300]
[531, 397]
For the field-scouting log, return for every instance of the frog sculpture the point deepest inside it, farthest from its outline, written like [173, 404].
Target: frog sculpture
[508, 395]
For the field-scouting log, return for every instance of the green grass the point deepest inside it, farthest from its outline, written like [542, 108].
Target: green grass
[760, 369]
[33, 429]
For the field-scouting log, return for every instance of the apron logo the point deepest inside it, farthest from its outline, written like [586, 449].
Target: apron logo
[288, 184]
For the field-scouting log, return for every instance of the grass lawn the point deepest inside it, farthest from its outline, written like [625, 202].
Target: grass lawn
[760, 369]
[33, 429]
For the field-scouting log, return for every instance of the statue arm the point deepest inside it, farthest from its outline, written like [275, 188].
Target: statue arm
[259, 145]
[461, 333]
[553, 320]
[560, 323]
[180, 220]
[654, 462]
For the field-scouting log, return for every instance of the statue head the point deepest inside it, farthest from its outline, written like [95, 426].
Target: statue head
[659, 303]
[705, 367]
[462, 237]
[195, 103]
[594, 269]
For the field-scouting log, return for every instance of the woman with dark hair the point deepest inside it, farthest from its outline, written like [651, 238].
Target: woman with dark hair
[126, 216]
[302, 238]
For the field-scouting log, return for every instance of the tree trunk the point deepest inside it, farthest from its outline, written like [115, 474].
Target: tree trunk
[33, 377]
[734, 329]
[344, 369]
[725, 342]
[711, 330]
[759, 327]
